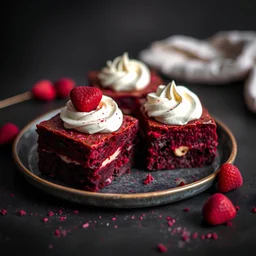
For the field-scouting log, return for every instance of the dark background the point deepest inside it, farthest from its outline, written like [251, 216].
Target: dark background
[52, 39]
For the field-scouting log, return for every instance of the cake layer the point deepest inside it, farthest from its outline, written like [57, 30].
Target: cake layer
[88, 150]
[168, 161]
[126, 99]
[178, 146]
[73, 174]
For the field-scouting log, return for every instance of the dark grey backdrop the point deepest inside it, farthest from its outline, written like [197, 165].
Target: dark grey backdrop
[51, 39]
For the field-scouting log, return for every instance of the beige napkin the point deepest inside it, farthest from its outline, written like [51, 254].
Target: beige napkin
[223, 58]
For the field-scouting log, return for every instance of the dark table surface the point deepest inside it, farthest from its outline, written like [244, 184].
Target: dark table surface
[52, 39]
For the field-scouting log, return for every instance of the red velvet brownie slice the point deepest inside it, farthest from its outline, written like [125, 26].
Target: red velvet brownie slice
[177, 130]
[125, 80]
[87, 153]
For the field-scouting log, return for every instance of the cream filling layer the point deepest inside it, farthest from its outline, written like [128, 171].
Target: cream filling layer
[108, 160]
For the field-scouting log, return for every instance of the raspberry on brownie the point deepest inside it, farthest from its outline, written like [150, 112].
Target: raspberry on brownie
[87, 149]
[125, 80]
[177, 130]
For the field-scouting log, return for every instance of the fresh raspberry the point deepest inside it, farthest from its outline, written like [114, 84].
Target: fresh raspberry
[218, 209]
[44, 90]
[85, 98]
[8, 132]
[229, 178]
[63, 87]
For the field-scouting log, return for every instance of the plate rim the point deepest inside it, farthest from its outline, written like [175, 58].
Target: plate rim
[143, 195]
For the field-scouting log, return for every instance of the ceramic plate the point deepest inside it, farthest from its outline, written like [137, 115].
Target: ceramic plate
[128, 191]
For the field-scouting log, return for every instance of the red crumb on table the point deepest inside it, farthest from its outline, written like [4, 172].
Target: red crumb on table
[21, 212]
[75, 211]
[57, 233]
[64, 232]
[229, 224]
[186, 209]
[215, 236]
[185, 237]
[85, 225]
[114, 218]
[62, 218]
[209, 235]
[115, 226]
[50, 213]
[45, 219]
[170, 224]
[253, 209]
[202, 237]
[195, 235]
[60, 211]
[237, 207]
[149, 178]
[60, 232]
[3, 211]
[161, 248]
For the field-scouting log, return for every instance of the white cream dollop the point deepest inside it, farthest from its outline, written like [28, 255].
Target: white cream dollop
[175, 105]
[124, 74]
[107, 117]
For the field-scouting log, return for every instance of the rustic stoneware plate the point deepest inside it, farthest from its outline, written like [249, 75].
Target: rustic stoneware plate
[128, 191]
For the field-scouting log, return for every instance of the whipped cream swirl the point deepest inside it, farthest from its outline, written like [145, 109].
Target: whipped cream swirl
[173, 105]
[123, 74]
[107, 117]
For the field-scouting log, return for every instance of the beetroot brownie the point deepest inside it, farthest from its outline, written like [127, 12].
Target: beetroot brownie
[87, 160]
[177, 130]
[125, 80]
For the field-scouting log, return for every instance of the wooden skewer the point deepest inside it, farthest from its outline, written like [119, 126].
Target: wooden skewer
[15, 99]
